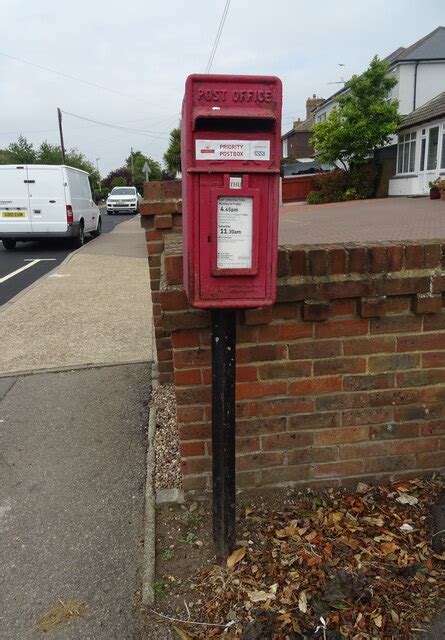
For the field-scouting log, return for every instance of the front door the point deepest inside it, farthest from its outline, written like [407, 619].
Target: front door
[429, 157]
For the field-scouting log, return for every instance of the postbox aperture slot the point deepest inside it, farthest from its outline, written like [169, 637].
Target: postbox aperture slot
[222, 124]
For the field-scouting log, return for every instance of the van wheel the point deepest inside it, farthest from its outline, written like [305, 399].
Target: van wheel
[9, 244]
[97, 231]
[80, 238]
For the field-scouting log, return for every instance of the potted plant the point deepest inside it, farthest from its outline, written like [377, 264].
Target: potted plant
[434, 189]
[441, 187]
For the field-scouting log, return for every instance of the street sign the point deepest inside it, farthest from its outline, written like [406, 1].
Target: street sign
[146, 169]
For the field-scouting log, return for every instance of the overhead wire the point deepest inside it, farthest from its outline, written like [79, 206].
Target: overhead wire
[88, 82]
[218, 36]
[150, 134]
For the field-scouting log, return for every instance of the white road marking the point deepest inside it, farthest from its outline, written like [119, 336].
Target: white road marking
[31, 263]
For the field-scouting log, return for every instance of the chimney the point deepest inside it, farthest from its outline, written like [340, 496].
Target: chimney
[297, 123]
[311, 104]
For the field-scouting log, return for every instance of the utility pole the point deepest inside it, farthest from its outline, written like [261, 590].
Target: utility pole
[132, 166]
[62, 146]
[97, 166]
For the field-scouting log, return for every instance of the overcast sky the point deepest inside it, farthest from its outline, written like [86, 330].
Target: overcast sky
[145, 49]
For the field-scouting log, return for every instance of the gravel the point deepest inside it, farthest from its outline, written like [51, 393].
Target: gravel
[166, 441]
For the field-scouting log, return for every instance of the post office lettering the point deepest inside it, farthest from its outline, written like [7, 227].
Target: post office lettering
[237, 95]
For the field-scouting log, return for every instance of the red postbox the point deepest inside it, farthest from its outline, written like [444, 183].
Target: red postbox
[231, 137]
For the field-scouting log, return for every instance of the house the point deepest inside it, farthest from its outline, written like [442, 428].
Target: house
[295, 143]
[420, 73]
[420, 149]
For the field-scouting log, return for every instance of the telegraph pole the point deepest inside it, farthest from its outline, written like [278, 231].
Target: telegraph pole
[97, 166]
[132, 166]
[62, 146]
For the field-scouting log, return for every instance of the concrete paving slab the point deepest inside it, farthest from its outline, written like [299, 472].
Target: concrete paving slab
[127, 239]
[94, 309]
[5, 386]
[71, 501]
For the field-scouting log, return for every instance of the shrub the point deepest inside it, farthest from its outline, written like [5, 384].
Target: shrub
[331, 185]
[363, 179]
[351, 194]
[315, 197]
[356, 184]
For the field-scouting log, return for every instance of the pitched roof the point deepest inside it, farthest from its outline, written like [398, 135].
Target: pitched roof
[303, 127]
[431, 46]
[434, 108]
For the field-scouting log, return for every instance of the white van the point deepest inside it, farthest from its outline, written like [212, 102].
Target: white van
[46, 201]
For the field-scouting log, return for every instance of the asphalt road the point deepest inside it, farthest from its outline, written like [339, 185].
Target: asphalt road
[51, 253]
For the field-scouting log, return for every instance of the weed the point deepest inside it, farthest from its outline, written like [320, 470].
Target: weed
[158, 588]
[190, 538]
[167, 554]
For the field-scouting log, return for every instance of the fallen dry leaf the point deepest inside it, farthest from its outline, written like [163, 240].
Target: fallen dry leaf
[302, 602]
[406, 498]
[388, 547]
[182, 634]
[235, 557]
[260, 596]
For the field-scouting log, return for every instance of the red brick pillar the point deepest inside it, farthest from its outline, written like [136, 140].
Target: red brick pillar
[161, 215]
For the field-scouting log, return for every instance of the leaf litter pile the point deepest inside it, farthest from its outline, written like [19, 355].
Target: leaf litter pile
[354, 566]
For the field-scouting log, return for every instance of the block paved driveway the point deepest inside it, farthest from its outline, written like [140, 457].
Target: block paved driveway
[382, 220]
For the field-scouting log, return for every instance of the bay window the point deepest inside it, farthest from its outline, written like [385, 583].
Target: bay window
[406, 152]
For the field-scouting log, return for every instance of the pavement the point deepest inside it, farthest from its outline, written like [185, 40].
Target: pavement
[72, 500]
[94, 309]
[44, 255]
[381, 220]
[73, 442]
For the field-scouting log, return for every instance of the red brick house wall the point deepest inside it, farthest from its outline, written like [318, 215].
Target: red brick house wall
[343, 379]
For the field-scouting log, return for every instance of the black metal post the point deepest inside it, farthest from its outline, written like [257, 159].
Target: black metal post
[223, 429]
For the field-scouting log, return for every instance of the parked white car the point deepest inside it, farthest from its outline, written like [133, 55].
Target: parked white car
[123, 200]
[46, 201]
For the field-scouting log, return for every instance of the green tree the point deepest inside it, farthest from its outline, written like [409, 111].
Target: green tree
[139, 159]
[22, 151]
[49, 153]
[364, 120]
[118, 182]
[122, 174]
[5, 156]
[172, 157]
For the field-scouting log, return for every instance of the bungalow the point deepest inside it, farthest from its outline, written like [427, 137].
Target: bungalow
[420, 149]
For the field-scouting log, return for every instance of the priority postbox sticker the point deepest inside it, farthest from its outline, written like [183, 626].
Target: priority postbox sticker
[232, 150]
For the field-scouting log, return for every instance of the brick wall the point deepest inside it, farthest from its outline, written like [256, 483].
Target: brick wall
[342, 379]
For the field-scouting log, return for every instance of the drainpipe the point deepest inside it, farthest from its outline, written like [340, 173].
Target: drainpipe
[415, 86]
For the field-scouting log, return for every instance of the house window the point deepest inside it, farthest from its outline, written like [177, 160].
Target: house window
[433, 145]
[422, 154]
[285, 151]
[406, 152]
